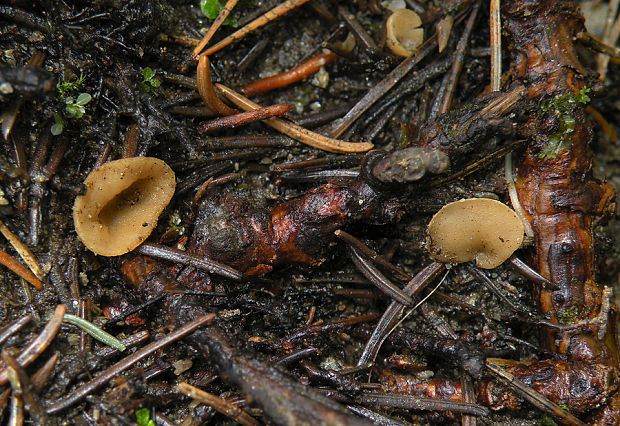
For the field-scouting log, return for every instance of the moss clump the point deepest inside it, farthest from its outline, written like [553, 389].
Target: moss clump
[568, 316]
[563, 106]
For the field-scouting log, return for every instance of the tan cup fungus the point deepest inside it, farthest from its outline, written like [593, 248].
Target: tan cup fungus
[402, 33]
[123, 201]
[476, 229]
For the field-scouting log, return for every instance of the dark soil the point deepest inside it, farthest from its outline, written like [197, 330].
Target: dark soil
[110, 43]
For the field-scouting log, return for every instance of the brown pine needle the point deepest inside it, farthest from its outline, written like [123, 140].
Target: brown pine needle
[11, 263]
[206, 89]
[23, 251]
[273, 14]
[179, 39]
[298, 73]
[294, 131]
[219, 404]
[228, 7]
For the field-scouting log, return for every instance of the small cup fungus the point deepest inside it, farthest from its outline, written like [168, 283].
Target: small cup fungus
[478, 229]
[402, 33]
[123, 201]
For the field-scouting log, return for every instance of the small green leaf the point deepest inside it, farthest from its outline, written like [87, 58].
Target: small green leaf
[83, 99]
[583, 97]
[210, 8]
[145, 86]
[75, 110]
[56, 129]
[155, 82]
[143, 416]
[58, 126]
[148, 73]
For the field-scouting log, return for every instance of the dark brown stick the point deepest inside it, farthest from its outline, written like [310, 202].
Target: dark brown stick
[234, 120]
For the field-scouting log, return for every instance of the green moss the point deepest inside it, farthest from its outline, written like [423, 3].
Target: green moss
[568, 316]
[562, 106]
[64, 87]
[546, 421]
[143, 417]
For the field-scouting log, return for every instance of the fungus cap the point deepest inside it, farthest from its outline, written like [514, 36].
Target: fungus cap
[403, 35]
[479, 229]
[123, 201]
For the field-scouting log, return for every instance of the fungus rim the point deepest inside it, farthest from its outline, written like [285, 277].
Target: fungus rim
[122, 204]
[489, 232]
[403, 32]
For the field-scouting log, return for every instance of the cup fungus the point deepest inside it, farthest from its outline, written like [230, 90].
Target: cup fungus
[479, 229]
[123, 201]
[402, 33]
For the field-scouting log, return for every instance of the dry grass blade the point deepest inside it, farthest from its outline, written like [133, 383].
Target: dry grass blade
[219, 404]
[179, 256]
[379, 280]
[610, 35]
[457, 65]
[273, 14]
[228, 7]
[294, 131]
[11, 263]
[496, 46]
[443, 30]
[23, 251]
[391, 316]
[410, 402]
